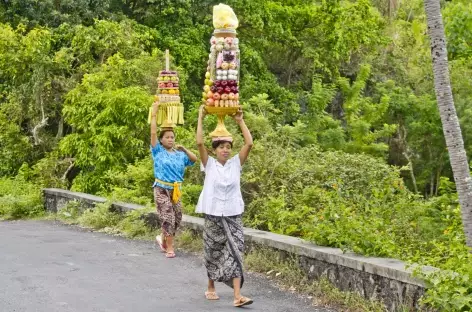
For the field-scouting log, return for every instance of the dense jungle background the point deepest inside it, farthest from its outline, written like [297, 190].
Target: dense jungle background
[339, 96]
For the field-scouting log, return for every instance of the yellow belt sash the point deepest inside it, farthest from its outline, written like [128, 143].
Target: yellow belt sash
[177, 192]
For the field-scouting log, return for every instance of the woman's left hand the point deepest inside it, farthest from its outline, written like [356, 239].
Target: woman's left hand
[238, 117]
[180, 148]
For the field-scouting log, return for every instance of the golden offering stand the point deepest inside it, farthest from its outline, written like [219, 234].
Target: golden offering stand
[221, 112]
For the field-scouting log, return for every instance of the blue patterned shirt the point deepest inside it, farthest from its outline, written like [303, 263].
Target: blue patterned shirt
[169, 166]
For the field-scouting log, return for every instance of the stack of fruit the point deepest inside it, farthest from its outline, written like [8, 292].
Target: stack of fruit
[221, 90]
[168, 85]
[222, 77]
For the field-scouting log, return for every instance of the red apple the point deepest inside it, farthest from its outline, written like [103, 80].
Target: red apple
[228, 90]
[216, 96]
[220, 90]
[213, 89]
[210, 102]
[224, 83]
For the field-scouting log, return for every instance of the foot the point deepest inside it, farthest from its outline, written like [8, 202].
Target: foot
[170, 254]
[242, 301]
[162, 244]
[211, 295]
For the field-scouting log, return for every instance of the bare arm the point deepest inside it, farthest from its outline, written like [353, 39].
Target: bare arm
[200, 142]
[244, 152]
[155, 107]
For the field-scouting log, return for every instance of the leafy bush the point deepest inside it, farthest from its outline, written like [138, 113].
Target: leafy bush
[100, 217]
[19, 199]
[133, 225]
[190, 195]
[70, 212]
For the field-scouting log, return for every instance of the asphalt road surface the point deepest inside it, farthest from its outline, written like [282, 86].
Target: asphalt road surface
[49, 266]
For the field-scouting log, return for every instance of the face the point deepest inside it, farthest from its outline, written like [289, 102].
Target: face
[168, 139]
[223, 151]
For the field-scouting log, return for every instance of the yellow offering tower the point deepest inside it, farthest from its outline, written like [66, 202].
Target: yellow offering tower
[171, 110]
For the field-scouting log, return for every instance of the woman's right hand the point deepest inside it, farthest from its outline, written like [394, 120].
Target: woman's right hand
[202, 112]
[155, 107]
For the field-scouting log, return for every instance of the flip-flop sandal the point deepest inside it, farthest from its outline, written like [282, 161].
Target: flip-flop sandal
[211, 295]
[170, 254]
[162, 245]
[243, 301]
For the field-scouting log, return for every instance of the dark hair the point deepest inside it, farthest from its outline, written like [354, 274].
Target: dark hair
[161, 134]
[215, 144]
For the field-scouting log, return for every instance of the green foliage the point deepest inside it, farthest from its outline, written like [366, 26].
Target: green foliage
[109, 114]
[132, 184]
[364, 118]
[190, 195]
[19, 199]
[53, 13]
[71, 212]
[14, 146]
[100, 217]
[458, 21]
[133, 225]
[449, 288]
[323, 85]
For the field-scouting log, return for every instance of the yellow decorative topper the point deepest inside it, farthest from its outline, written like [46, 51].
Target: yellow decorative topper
[224, 17]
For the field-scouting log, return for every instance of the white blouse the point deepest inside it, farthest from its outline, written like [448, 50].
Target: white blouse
[221, 194]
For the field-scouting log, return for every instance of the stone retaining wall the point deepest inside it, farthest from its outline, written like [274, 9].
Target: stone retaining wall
[374, 278]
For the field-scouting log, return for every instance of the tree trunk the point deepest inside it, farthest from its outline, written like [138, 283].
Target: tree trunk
[402, 133]
[43, 123]
[450, 122]
[60, 129]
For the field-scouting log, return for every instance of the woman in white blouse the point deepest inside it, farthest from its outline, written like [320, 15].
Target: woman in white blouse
[223, 205]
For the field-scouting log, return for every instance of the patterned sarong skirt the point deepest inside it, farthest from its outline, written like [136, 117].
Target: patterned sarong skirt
[224, 247]
[170, 214]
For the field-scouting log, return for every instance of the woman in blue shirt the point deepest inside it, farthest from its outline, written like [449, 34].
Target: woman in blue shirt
[170, 161]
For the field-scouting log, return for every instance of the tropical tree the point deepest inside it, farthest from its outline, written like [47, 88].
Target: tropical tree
[447, 111]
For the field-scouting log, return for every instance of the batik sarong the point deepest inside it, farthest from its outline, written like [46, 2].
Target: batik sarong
[170, 214]
[224, 247]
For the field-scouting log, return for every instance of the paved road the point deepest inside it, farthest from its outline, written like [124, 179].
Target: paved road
[48, 266]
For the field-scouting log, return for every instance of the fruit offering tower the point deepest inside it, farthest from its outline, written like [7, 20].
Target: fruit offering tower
[221, 90]
[171, 110]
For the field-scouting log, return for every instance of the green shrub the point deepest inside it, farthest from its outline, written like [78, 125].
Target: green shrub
[71, 212]
[100, 217]
[134, 226]
[190, 195]
[19, 199]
